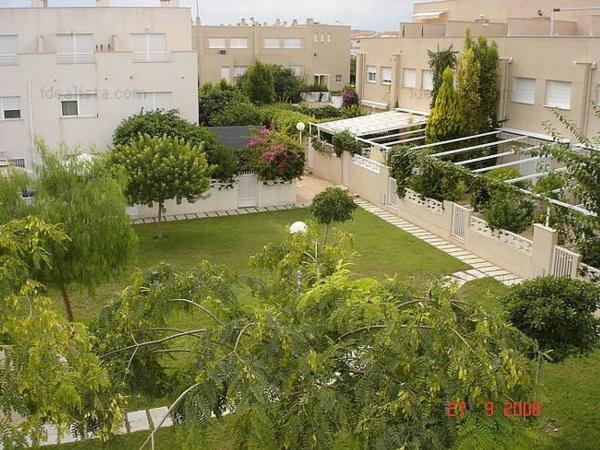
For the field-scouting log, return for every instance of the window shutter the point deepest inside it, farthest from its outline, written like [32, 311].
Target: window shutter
[65, 44]
[524, 90]
[558, 94]
[163, 100]
[386, 75]
[225, 73]
[427, 80]
[88, 105]
[8, 45]
[410, 78]
[216, 43]
[157, 43]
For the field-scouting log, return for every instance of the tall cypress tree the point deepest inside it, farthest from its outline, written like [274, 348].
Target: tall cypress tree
[445, 121]
[438, 62]
[469, 87]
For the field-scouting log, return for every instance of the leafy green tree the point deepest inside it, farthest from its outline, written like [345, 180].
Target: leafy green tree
[344, 141]
[468, 89]
[48, 372]
[557, 312]
[12, 184]
[257, 83]
[438, 62]
[223, 104]
[333, 205]
[486, 55]
[325, 359]
[80, 194]
[160, 169]
[509, 210]
[445, 120]
[287, 86]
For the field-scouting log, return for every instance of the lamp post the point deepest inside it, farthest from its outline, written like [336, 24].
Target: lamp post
[298, 228]
[300, 126]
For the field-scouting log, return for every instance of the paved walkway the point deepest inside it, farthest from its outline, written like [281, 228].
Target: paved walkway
[480, 268]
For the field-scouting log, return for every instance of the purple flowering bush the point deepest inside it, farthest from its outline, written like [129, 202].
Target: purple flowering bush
[274, 156]
[349, 98]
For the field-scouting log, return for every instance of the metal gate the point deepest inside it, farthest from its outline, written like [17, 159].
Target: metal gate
[248, 190]
[459, 216]
[564, 264]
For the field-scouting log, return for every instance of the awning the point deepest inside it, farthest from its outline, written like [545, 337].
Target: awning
[435, 14]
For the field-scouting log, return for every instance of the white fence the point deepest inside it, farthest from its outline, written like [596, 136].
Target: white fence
[367, 163]
[459, 216]
[516, 241]
[565, 262]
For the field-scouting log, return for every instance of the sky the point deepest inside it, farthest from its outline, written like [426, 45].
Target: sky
[377, 15]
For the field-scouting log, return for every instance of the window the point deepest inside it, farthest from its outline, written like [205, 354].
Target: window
[8, 50]
[322, 37]
[328, 37]
[10, 108]
[81, 105]
[292, 43]
[339, 78]
[225, 73]
[152, 101]
[409, 78]
[524, 90]
[427, 80]
[297, 70]
[386, 75]
[74, 48]
[271, 43]
[371, 74]
[216, 43]
[238, 42]
[238, 71]
[558, 94]
[149, 47]
[316, 37]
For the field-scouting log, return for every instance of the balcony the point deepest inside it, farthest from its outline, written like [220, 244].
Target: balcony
[151, 57]
[75, 58]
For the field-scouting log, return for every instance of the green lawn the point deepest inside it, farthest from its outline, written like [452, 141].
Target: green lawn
[382, 249]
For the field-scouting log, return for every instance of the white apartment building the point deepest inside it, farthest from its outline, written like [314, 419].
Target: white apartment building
[548, 58]
[71, 75]
[319, 53]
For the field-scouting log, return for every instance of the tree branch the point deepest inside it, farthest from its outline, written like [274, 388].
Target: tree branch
[157, 341]
[206, 310]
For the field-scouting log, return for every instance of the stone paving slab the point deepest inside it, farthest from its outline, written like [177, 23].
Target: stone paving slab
[138, 421]
[157, 414]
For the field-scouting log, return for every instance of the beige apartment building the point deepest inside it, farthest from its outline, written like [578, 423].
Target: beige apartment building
[317, 52]
[73, 74]
[548, 58]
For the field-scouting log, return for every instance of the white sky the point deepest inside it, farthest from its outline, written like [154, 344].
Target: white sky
[379, 15]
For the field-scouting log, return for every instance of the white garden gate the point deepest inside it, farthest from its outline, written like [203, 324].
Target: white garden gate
[459, 216]
[565, 262]
[248, 190]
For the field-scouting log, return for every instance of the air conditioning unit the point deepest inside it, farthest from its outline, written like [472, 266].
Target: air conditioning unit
[222, 52]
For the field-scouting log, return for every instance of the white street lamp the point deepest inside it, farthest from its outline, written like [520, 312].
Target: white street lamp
[298, 227]
[300, 126]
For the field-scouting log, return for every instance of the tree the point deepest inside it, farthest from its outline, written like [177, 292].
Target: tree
[48, 372]
[223, 104]
[286, 85]
[257, 83]
[438, 62]
[80, 193]
[325, 359]
[557, 312]
[445, 121]
[468, 89]
[489, 91]
[12, 184]
[333, 205]
[160, 169]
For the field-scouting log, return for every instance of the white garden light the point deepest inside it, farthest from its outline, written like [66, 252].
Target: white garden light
[300, 126]
[298, 227]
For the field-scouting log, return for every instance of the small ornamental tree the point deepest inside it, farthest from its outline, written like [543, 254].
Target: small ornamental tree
[438, 62]
[557, 312]
[273, 156]
[257, 83]
[509, 210]
[287, 86]
[82, 195]
[333, 205]
[445, 121]
[12, 184]
[160, 169]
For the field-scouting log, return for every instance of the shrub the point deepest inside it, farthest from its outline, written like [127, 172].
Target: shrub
[257, 83]
[509, 211]
[590, 251]
[227, 161]
[433, 181]
[345, 142]
[237, 114]
[349, 112]
[213, 100]
[273, 156]
[557, 312]
[284, 119]
[333, 205]
[503, 174]
[316, 87]
[322, 112]
[287, 86]
[349, 98]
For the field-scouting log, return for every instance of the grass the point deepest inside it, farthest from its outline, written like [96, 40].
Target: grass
[570, 389]
[382, 250]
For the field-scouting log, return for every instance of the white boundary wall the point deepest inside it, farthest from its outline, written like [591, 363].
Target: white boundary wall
[527, 258]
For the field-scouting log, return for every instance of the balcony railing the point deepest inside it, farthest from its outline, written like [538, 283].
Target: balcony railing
[8, 59]
[74, 58]
[151, 57]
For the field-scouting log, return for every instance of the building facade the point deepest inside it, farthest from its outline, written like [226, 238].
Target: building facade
[539, 70]
[317, 52]
[71, 75]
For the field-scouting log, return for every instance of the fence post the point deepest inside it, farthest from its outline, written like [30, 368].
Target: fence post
[542, 251]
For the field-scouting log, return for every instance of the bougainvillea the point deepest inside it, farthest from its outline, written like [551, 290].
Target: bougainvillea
[349, 98]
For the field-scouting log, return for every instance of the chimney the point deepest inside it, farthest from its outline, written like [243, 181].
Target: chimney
[310, 21]
[278, 23]
[285, 24]
[169, 3]
[243, 22]
[295, 22]
[39, 3]
[102, 3]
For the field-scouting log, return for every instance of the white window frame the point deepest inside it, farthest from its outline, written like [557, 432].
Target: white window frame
[76, 98]
[371, 70]
[328, 37]
[272, 43]
[75, 57]
[9, 59]
[149, 54]
[413, 78]
[339, 78]
[225, 69]
[3, 107]
[217, 43]
[322, 37]
[386, 75]
[557, 105]
[238, 71]
[153, 96]
[240, 42]
[518, 94]
[316, 37]
[297, 70]
[292, 43]
[423, 78]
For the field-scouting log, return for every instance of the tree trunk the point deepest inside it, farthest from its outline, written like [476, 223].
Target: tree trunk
[67, 302]
[159, 236]
[326, 234]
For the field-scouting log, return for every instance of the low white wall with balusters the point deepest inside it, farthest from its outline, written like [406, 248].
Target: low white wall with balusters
[525, 257]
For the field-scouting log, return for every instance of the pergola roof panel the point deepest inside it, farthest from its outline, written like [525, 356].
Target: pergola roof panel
[374, 123]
